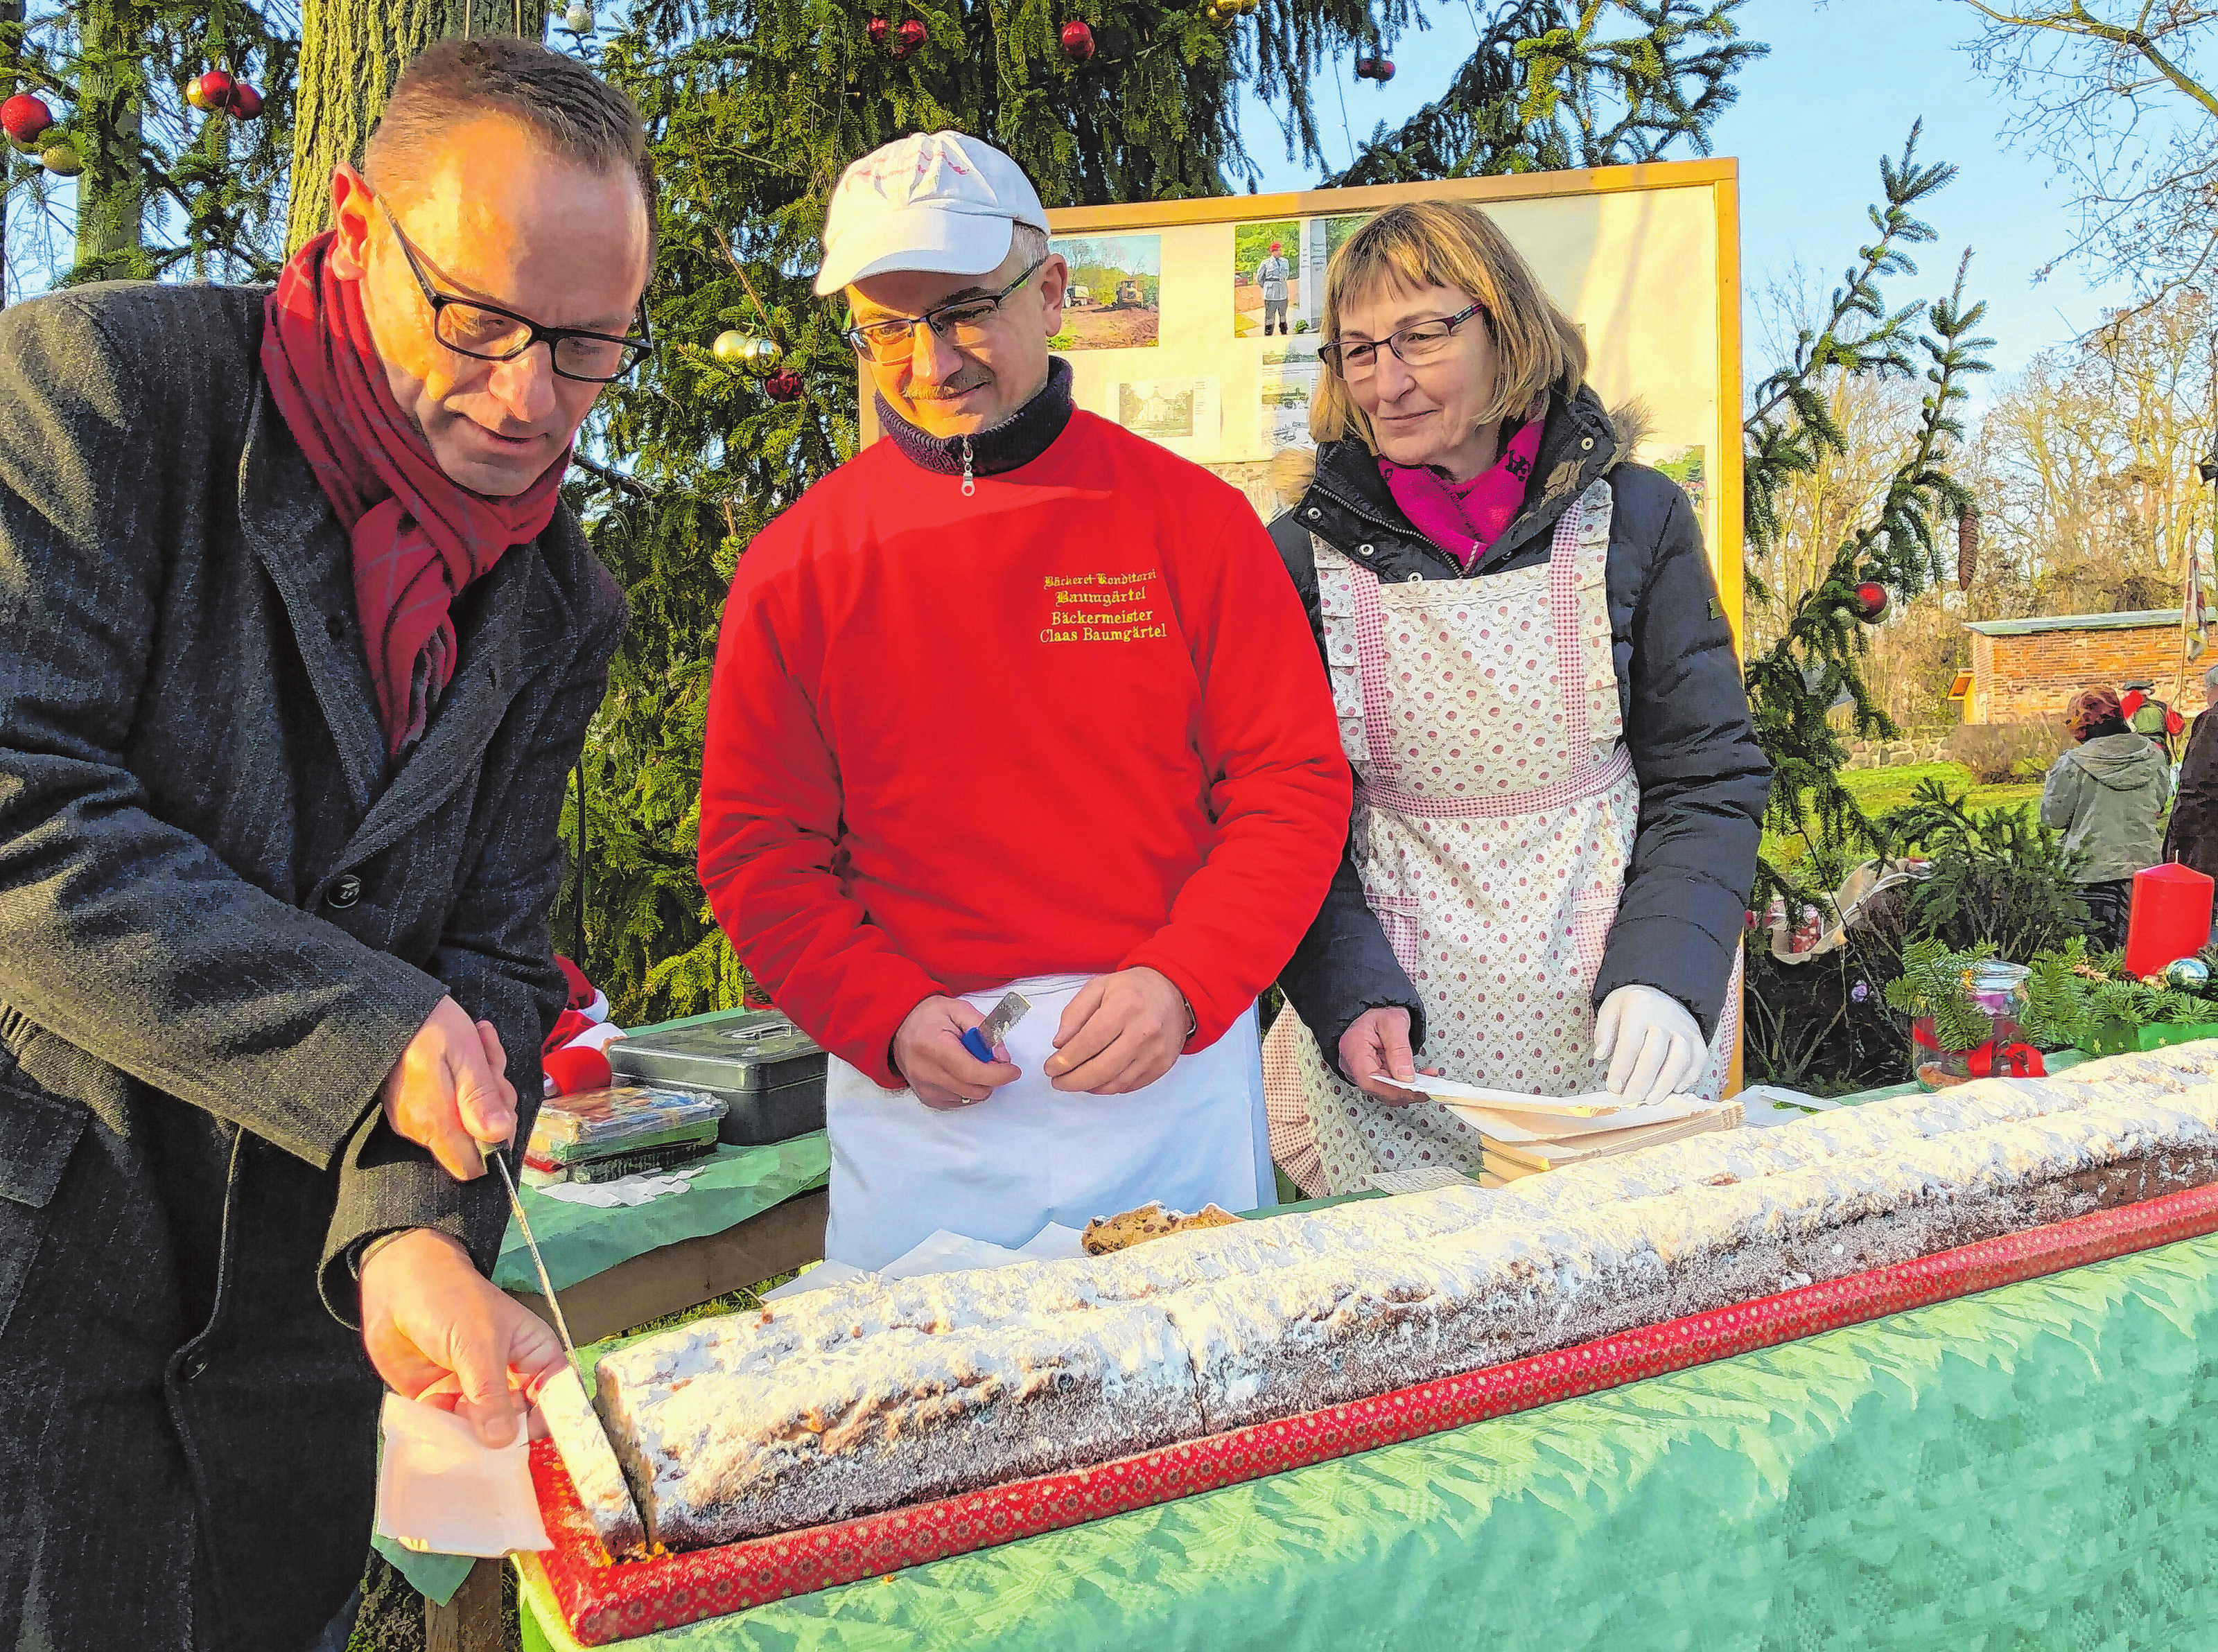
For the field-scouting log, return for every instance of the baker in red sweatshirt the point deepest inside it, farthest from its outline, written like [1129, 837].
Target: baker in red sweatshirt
[1015, 698]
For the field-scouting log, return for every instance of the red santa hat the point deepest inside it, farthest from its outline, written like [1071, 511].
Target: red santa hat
[586, 999]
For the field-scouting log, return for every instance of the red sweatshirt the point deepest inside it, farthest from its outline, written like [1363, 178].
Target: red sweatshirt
[1073, 724]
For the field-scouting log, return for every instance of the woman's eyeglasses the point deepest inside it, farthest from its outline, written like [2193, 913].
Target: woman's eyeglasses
[486, 332]
[1415, 344]
[963, 322]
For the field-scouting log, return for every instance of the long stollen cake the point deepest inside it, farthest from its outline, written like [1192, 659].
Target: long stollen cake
[871, 1395]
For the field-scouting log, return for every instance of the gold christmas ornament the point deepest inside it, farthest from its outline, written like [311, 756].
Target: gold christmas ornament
[747, 352]
[61, 160]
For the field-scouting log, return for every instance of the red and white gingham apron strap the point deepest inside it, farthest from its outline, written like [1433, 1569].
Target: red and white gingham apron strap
[1563, 573]
[1372, 668]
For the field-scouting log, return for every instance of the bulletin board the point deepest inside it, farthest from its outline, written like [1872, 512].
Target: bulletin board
[1172, 336]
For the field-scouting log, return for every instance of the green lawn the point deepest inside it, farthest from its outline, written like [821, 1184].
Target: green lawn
[1878, 790]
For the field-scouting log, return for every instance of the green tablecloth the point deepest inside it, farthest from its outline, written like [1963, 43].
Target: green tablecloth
[2033, 1469]
[580, 1240]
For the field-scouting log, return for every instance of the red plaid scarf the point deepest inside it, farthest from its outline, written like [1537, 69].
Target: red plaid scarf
[419, 538]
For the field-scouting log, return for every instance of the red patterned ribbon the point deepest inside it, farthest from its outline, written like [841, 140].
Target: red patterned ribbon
[2015, 1060]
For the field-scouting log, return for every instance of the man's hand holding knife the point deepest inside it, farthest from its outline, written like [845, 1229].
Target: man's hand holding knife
[435, 1328]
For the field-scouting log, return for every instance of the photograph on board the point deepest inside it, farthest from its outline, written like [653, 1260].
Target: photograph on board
[1686, 467]
[1159, 409]
[1114, 300]
[1267, 279]
[1285, 387]
[1321, 239]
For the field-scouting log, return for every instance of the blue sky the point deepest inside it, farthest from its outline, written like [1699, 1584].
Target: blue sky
[1843, 84]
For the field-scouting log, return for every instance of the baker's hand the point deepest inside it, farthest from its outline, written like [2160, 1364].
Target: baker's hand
[450, 1090]
[929, 1056]
[1651, 1042]
[438, 1330]
[1120, 1034]
[1377, 1040]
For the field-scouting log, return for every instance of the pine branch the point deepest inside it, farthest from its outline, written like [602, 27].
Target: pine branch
[1814, 660]
[1535, 92]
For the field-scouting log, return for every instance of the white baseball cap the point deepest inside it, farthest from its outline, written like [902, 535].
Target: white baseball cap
[933, 200]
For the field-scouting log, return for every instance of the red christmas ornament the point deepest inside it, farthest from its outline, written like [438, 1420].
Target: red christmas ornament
[1871, 600]
[23, 117]
[245, 103]
[1077, 42]
[879, 28]
[914, 34]
[1382, 70]
[783, 386]
[216, 88]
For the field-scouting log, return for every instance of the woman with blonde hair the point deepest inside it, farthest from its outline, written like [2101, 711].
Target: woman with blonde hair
[1559, 791]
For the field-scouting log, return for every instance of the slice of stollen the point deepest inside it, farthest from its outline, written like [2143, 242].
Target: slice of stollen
[591, 1461]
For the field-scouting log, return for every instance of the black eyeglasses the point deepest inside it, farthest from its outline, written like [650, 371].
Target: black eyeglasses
[1419, 342]
[962, 322]
[486, 332]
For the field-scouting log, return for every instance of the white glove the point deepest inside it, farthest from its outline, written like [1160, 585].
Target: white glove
[1651, 1042]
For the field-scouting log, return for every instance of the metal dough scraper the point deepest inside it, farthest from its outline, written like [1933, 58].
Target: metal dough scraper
[571, 1419]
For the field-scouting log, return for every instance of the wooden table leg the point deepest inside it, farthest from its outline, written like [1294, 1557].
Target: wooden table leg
[470, 1622]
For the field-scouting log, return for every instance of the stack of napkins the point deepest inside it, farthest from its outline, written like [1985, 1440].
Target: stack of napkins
[1521, 1134]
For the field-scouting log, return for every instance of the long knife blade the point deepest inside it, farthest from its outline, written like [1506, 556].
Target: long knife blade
[579, 1434]
[524, 1225]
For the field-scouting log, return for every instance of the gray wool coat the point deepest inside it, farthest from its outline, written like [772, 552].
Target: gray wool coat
[221, 920]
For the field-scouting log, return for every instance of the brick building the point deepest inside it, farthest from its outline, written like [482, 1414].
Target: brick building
[2023, 671]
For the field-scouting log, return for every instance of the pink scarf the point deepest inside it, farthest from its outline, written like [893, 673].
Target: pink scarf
[419, 538]
[1464, 519]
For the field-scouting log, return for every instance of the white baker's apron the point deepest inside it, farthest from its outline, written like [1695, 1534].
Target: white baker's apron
[1003, 1168]
[1495, 806]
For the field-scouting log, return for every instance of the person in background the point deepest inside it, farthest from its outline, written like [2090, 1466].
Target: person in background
[1014, 697]
[2147, 715]
[2105, 795]
[2191, 837]
[1271, 275]
[298, 645]
[1559, 792]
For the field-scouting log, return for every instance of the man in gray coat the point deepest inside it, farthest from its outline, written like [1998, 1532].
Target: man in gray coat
[297, 646]
[1271, 276]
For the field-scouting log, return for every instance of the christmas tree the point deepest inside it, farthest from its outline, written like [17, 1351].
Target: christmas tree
[162, 126]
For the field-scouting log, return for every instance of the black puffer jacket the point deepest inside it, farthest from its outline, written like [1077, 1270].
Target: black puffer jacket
[1703, 778]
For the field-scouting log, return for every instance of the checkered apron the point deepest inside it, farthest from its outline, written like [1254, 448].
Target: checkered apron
[1495, 810]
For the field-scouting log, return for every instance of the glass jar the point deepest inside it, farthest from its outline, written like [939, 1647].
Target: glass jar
[1997, 993]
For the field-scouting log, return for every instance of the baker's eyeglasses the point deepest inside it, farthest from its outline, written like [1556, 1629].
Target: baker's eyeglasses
[962, 323]
[486, 332]
[1415, 344]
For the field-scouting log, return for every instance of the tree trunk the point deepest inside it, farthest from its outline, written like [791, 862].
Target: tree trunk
[351, 52]
[111, 192]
